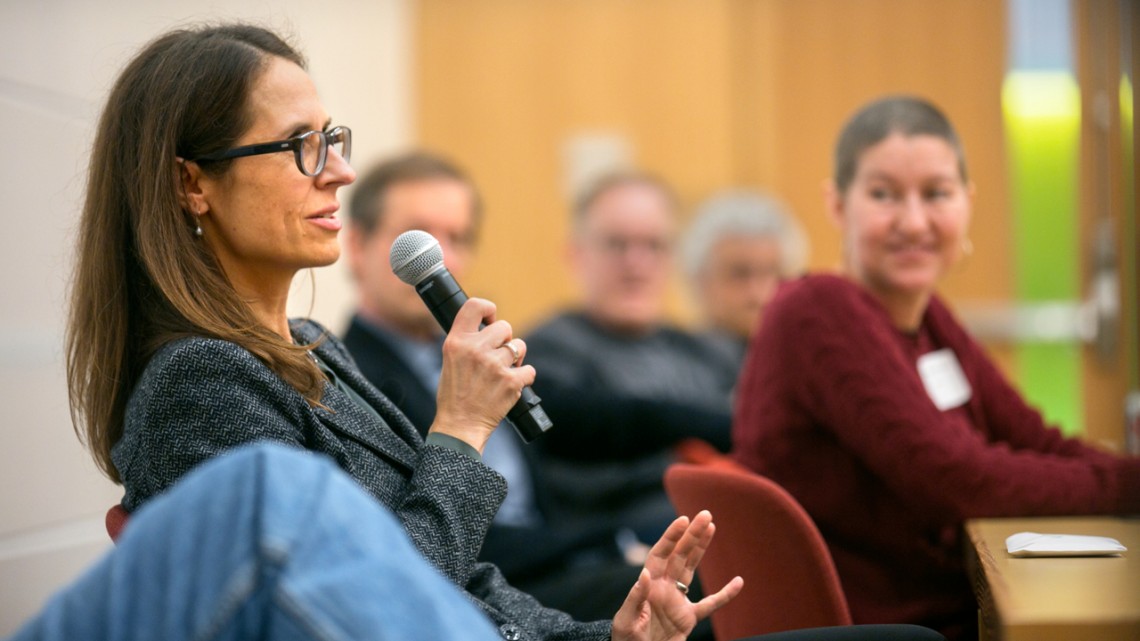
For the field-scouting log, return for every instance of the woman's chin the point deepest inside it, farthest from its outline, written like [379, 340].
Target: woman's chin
[898, 286]
[914, 286]
[918, 280]
[324, 258]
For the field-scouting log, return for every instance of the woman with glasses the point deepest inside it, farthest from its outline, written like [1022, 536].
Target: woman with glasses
[870, 403]
[213, 180]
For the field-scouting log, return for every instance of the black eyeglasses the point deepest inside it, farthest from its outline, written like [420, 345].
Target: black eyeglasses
[310, 149]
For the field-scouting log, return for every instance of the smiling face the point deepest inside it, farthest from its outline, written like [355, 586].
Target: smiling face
[263, 219]
[904, 216]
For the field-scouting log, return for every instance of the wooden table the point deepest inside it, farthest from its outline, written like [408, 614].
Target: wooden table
[1056, 598]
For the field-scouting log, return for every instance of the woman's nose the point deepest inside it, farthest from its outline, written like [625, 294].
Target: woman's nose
[337, 170]
[913, 217]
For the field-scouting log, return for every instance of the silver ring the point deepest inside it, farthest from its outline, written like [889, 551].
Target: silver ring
[682, 587]
[510, 345]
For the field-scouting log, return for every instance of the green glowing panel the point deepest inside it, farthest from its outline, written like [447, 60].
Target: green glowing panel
[1042, 122]
[1129, 257]
[1049, 378]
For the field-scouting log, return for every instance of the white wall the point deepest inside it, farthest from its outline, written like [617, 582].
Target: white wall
[59, 59]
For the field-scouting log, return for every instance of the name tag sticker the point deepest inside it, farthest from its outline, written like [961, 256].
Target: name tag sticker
[943, 379]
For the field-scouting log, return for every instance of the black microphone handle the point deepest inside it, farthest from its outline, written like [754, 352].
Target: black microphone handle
[443, 296]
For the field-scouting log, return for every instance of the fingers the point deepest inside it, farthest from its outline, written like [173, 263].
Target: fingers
[482, 374]
[658, 558]
[630, 614]
[509, 354]
[687, 556]
[473, 313]
[714, 602]
[655, 607]
[692, 548]
[477, 312]
[522, 376]
[681, 548]
[516, 349]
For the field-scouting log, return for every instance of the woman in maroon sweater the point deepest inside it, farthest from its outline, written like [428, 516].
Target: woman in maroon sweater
[869, 402]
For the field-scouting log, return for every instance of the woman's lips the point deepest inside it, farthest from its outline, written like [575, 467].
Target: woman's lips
[327, 221]
[913, 252]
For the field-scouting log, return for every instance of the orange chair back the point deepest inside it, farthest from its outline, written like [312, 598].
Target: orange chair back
[115, 521]
[766, 537]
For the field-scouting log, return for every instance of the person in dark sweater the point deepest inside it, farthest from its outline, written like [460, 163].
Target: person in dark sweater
[572, 565]
[867, 400]
[632, 386]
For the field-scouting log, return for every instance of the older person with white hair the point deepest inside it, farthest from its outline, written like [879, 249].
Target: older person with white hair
[738, 248]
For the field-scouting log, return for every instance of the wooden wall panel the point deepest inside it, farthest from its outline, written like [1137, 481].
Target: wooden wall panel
[503, 84]
[1108, 370]
[710, 93]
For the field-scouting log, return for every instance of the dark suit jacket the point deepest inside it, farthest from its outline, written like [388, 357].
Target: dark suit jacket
[522, 553]
[384, 368]
[198, 397]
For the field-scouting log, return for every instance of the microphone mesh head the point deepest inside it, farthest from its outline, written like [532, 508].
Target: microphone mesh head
[414, 256]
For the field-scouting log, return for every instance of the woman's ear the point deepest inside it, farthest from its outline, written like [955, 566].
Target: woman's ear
[833, 203]
[190, 193]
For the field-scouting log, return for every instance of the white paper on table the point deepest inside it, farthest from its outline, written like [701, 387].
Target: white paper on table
[1036, 544]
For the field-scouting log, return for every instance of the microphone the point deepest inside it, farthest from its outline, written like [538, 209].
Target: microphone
[417, 259]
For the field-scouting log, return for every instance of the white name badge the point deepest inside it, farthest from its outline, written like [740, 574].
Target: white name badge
[943, 379]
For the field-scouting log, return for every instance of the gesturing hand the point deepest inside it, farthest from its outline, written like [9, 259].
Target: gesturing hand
[656, 608]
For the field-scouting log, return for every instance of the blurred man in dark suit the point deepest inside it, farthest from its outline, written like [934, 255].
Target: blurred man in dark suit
[573, 565]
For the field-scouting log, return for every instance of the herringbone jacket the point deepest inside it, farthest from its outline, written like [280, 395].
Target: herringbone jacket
[198, 397]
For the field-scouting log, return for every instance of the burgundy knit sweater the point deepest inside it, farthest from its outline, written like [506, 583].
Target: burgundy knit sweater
[830, 405]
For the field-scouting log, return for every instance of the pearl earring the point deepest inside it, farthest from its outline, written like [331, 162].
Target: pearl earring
[198, 228]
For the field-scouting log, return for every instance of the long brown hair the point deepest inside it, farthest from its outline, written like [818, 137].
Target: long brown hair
[142, 278]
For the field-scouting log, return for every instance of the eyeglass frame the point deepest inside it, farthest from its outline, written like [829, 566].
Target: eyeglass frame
[294, 144]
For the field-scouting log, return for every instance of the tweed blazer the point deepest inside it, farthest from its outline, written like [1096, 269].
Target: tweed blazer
[199, 397]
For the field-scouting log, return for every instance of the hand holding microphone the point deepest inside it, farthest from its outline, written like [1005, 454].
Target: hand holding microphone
[417, 259]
